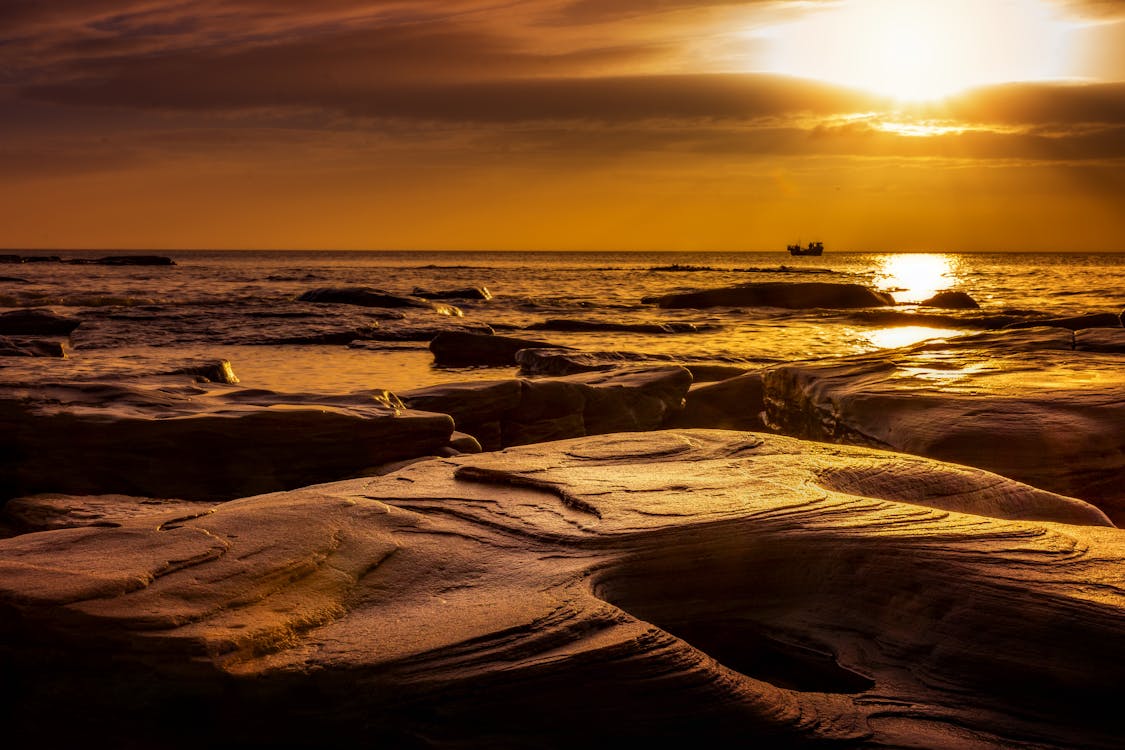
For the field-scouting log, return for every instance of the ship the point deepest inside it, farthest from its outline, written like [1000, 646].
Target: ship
[813, 248]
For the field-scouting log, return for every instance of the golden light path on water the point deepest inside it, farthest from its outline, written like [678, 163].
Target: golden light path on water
[911, 279]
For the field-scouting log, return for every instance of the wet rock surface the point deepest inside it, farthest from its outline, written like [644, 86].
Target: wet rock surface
[692, 586]
[1074, 323]
[21, 347]
[792, 295]
[951, 299]
[36, 322]
[1033, 404]
[370, 297]
[472, 292]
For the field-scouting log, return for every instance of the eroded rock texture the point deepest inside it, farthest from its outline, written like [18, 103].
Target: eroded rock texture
[694, 587]
[1045, 406]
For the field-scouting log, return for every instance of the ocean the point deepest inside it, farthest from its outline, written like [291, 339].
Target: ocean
[242, 306]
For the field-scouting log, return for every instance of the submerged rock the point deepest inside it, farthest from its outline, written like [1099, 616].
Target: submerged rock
[31, 348]
[370, 297]
[792, 295]
[1025, 404]
[952, 300]
[36, 322]
[463, 349]
[564, 324]
[472, 292]
[710, 588]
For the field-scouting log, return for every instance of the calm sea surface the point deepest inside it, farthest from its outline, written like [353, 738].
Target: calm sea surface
[243, 306]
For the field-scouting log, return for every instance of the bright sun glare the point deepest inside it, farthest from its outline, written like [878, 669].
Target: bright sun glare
[923, 49]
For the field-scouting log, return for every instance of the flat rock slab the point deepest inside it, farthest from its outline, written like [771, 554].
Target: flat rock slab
[704, 586]
[364, 296]
[1026, 404]
[791, 295]
[170, 438]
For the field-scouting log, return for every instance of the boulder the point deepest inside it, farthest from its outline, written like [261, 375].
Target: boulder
[951, 300]
[36, 322]
[517, 412]
[791, 295]
[464, 349]
[472, 292]
[736, 403]
[156, 440]
[702, 588]
[1075, 323]
[1024, 404]
[369, 297]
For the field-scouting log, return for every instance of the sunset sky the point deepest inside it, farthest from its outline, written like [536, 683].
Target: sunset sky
[563, 124]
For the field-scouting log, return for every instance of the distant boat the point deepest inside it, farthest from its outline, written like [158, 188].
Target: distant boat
[813, 248]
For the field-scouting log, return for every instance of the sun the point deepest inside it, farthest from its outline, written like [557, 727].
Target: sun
[915, 50]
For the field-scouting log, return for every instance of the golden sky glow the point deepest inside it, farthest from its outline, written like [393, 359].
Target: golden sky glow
[563, 124]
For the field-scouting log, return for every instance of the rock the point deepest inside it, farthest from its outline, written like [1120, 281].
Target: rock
[1078, 322]
[952, 300]
[562, 324]
[134, 260]
[13, 280]
[51, 511]
[734, 404]
[559, 362]
[517, 412]
[702, 588]
[1109, 340]
[219, 371]
[792, 295]
[31, 348]
[1024, 404]
[155, 440]
[462, 349]
[369, 297]
[461, 442]
[932, 320]
[473, 292]
[36, 322]
[416, 333]
[10, 258]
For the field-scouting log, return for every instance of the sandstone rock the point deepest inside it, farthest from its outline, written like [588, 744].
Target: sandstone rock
[36, 322]
[517, 412]
[952, 300]
[52, 511]
[1078, 322]
[461, 349]
[159, 441]
[369, 297]
[709, 588]
[1024, 404]
[793, 295]
[733, 404]
[473, 292]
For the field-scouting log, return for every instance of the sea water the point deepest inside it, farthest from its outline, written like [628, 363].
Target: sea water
[243, 306]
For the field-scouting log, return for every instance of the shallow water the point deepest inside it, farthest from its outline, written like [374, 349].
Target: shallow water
[231, 304]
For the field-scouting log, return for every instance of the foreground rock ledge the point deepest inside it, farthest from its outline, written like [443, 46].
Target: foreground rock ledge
[701, 585]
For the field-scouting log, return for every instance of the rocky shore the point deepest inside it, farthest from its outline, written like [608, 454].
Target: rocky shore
[913, 547]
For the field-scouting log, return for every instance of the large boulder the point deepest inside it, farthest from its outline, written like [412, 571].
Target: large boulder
[466, 349]
[702, 588]
[736, 403]
[952, 300]
[166, 439]
[792, 295]
[36, 322]
[1025, 404]
[369, 297]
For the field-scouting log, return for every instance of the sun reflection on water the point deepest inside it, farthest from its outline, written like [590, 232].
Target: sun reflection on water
[913, 278]
[893, 338]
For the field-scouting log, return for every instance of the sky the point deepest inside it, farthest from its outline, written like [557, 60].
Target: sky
[711, 125]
